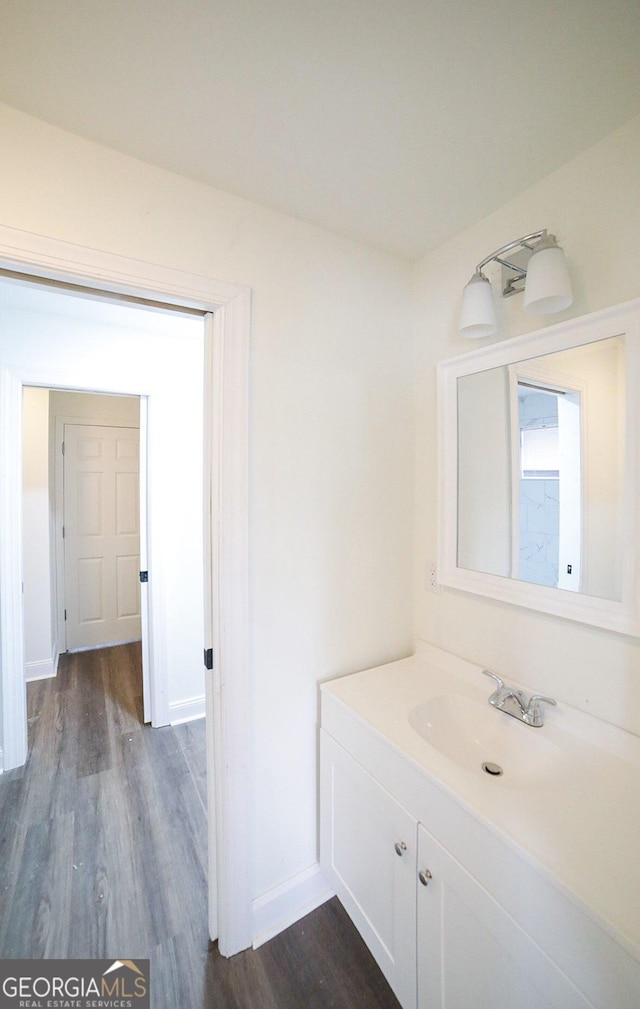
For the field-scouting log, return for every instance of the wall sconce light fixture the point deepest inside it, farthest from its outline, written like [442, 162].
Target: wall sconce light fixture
[534, 264]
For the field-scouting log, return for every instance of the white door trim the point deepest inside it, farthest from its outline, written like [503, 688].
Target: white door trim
[148, 701]
[14, 703]
[226, 407]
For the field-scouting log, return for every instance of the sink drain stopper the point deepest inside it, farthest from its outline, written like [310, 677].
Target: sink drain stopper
[494, 769]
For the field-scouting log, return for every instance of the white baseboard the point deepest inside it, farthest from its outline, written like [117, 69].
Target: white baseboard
[102, 644]
[187, 711]
[42, 670]
[282, 906]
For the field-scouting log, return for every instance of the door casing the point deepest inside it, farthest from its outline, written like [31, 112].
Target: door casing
[227, 330]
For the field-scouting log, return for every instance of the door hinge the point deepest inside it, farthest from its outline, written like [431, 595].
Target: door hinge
[208, 658]
[144, 576]
[65, 614]
[63, 448]
[63, 533]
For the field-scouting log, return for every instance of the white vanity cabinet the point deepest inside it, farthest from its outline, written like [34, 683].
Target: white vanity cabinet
[369, 854]
[532, 895]
[441, 940]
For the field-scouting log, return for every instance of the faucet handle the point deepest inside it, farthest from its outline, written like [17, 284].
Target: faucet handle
[533, 714]
[494, 676]
[499, 694]
[541, 697]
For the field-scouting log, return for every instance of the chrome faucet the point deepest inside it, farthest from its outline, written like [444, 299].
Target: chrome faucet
[516, 703]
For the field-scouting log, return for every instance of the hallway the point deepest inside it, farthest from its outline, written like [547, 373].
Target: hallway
[103, 854]
[102, 811]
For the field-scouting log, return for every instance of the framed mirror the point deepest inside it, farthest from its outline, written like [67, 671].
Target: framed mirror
[539, 470]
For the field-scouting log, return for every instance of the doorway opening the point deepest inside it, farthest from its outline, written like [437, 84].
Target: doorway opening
[94, 354]
[115, 378]
[227, 319]
[549, 485]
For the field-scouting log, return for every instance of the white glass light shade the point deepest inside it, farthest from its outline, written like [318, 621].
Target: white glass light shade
[478, 313]
[547, 287]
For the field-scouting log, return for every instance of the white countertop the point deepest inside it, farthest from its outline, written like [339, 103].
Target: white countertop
[578, 819]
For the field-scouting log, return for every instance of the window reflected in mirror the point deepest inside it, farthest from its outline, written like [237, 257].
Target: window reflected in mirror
[549, 486]
[541, 449]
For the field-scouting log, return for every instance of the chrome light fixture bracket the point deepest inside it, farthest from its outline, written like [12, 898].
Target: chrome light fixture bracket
[514, 268]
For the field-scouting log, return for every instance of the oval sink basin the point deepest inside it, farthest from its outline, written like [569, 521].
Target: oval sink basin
[471, 733]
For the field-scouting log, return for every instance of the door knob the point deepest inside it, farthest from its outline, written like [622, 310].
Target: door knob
[400, 847]
[424, 876]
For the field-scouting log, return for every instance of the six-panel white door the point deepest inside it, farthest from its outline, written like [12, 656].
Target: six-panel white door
[101, 535]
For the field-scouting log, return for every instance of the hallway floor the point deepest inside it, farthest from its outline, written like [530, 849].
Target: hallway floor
[103, 854]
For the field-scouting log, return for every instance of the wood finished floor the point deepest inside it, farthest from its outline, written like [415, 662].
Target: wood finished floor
[103, 854]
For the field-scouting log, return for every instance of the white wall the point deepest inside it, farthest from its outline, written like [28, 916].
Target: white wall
[116, 410]
[484, 472]
[590, 204]
[40, 653]
[331, 434]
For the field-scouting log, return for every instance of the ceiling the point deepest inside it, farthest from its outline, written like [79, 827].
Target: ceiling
[397, 122]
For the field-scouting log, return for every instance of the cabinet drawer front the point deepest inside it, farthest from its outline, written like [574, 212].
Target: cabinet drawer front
[368, 850]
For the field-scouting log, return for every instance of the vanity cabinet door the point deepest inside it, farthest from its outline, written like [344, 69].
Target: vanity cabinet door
[368, 849]
[471, 953]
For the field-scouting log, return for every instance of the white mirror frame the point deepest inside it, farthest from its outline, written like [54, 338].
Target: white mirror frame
[623, 615]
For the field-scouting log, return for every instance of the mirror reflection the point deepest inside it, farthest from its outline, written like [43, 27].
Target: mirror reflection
[541, 449]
